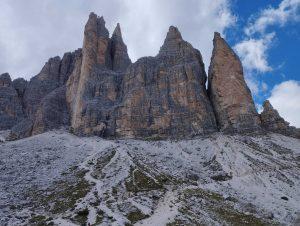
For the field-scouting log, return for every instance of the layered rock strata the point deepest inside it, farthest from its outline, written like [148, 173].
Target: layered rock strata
[43, 97]
[93, 90]
[96, 90]
[165, 95]
[229, 94]
[11, 111]
[156, 96]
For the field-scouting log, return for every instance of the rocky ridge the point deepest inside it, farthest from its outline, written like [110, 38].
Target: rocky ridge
[272, 121]
[97, 90]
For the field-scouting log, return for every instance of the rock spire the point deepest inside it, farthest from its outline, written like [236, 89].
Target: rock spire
[229, 94]
[97, 90]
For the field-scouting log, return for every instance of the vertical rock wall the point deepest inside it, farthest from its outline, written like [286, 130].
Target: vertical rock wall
[96, 90]
[11, 111]
[229, 94]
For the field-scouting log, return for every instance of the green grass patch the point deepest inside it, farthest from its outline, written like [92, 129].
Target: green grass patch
[218, 209]
[102, 162]
[236, 218]
[62, 195]
[40, 220]
[136, 216]
[82, 216]
[203, 194]
[139, 181]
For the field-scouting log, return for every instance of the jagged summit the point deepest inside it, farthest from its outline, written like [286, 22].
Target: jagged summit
[60, 177]
[11, 111]
[119, 53]
[267, 106]
[230, 96]
[174, 45]
[173, 33]
[272, 121]
[117, 34]
[5, 80]
[97, 90]
[217, 35]
[96, 24]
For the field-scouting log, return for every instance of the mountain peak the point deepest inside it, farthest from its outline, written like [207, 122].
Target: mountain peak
[228, 91]
[174, 44]
[96, 24]
[5, 80]
[104, 94]
[173, 33]
[117, 32]
[119, 50]
[267, 105]
[217, 35]
[272, 121]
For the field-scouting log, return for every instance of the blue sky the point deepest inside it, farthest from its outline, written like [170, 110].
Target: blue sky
[272, 72]
[282, 55]
[264, 33]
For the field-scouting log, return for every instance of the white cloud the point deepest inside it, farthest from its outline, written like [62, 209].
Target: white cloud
[253, 53]
[252, 84]
[257, 87]
[259, 108]
[288, 10]
[285, 97]
[34, 30]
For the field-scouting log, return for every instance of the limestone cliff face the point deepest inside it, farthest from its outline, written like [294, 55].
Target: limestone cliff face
[96, 90]
[165, 95]
[54, 74]
[41, 111]
[120, 58]
[52, 112]
[11, 111]
[230, 96]
[272, 121]
[93, 87]
[156, 96]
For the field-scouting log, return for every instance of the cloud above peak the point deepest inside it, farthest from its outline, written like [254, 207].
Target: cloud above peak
[288, 10]
[32, 31]
[253, 49]
[253, 53]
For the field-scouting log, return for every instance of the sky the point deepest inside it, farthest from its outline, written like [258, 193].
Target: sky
[265, 35]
